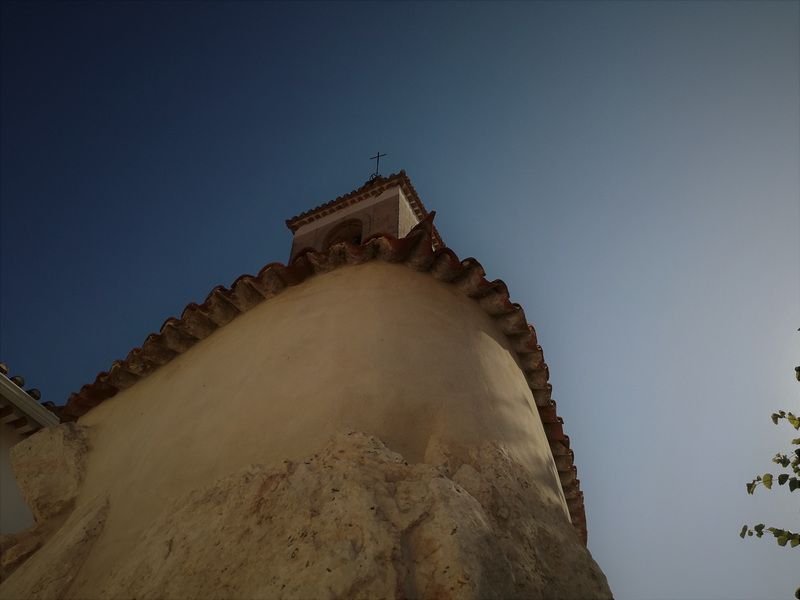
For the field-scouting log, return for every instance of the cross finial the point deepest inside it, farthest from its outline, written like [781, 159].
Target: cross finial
[377, 159]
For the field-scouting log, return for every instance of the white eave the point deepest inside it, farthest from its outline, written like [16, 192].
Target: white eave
[16, 405]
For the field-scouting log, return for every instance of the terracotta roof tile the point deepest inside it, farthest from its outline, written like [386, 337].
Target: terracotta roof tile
[222, 305]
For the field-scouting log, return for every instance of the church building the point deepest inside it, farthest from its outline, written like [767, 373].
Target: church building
[371, 420]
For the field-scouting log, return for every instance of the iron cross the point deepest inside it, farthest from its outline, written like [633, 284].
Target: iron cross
[377, 158]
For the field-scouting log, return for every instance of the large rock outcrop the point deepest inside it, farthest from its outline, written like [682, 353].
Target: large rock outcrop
[49, 468]
[49, 574]
[355, 520]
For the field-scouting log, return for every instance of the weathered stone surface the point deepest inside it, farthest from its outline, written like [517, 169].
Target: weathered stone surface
[16, 548]
[358, 521]
[49, 468]
[51, 570]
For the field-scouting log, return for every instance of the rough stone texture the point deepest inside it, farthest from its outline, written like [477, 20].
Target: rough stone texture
[16, 548]
[358, 521]
[51, 570]
[49, 468]
[355, 520]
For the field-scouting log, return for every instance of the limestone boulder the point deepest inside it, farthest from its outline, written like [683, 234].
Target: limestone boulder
[49, 573]
[359, 521]
[49, 467]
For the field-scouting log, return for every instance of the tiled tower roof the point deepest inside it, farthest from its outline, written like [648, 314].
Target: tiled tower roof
[370, 189]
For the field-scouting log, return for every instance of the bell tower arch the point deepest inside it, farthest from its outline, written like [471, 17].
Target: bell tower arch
[350, 230]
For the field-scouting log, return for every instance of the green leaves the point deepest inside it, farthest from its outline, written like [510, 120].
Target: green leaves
[782, 460]
[794, 421]
[782, 536]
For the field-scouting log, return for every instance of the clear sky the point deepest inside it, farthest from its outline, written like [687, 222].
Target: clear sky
[630, 169]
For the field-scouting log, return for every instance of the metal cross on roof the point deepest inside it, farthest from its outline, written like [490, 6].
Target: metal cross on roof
[376, 158]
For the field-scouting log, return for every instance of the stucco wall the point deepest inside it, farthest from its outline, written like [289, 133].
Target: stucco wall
[406, 219]
[378, 348]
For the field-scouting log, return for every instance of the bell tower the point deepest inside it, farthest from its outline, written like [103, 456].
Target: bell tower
[383, 205]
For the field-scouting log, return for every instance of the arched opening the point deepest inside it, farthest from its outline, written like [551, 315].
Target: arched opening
[347, 231]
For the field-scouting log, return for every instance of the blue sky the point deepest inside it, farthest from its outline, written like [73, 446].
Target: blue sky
[630, 169]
